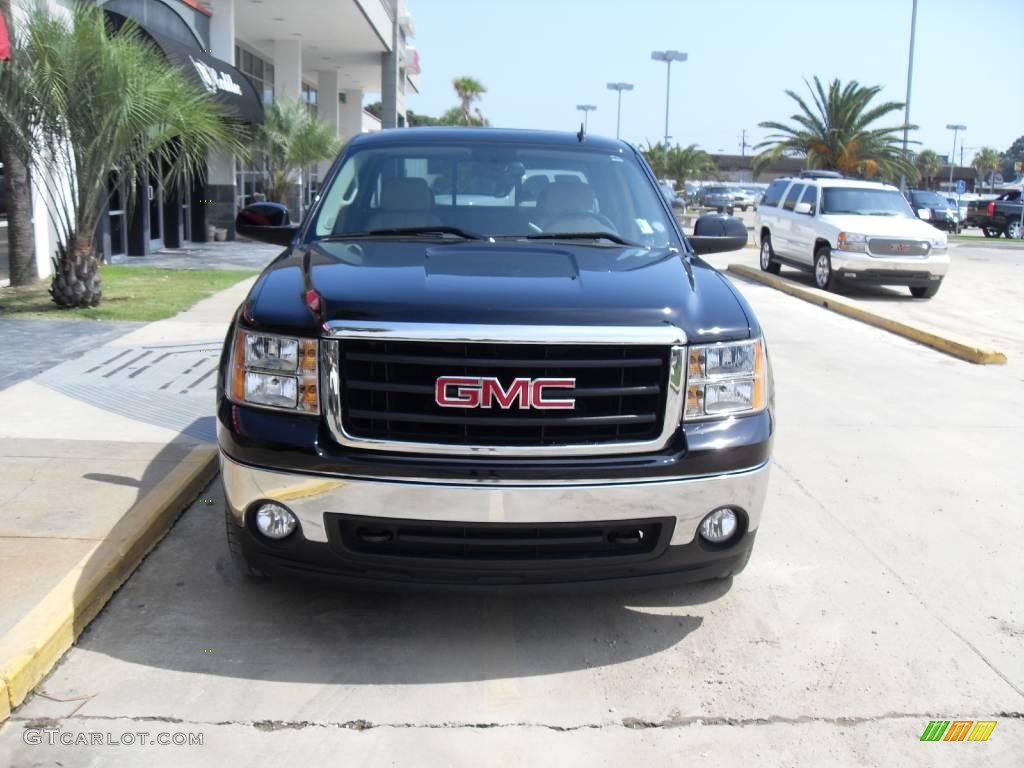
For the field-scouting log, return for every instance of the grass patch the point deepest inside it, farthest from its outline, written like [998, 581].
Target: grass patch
[129, 293]
[1001, 240]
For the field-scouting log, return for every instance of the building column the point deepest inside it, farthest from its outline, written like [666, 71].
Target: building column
[216, 203]
[329, 106]
[350, 121]
[222, 30]
[287, 70]
[389, 71]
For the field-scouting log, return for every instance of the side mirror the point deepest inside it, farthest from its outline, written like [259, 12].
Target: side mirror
[804, 208]
[714, 233]
[267, 223]
[924, 213]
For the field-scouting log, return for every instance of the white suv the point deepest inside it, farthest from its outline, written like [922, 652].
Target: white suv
[860, 232]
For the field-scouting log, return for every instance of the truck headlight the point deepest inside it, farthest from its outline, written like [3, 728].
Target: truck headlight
[726, 379]
[849, 241]
[274, 372]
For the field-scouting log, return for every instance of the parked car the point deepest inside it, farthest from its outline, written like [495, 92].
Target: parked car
[744, 198]
[959, 206]
[1000, 216]
[845, 230]
[492, 395]
[717, 197]
[672, 197]
[935, 209]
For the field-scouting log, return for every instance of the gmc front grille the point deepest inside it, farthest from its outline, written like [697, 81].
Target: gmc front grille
[889, 246]
[381, 393]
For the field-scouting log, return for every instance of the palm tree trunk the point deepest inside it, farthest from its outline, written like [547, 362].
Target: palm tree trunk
[76, 279]
[20, 240]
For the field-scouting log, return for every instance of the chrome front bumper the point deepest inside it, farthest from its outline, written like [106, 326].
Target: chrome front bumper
[847, 261]
[687, 500]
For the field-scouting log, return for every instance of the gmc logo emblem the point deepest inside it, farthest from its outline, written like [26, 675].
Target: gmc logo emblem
[901, 248]
[484, 392]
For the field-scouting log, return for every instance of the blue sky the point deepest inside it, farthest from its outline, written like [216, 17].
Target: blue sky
[540, 58]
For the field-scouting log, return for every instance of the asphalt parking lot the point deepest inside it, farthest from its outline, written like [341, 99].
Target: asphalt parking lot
[884, 592]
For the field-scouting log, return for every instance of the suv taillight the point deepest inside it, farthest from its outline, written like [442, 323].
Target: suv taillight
[992, 208]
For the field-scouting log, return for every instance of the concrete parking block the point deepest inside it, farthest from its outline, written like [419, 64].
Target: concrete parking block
[943, 341]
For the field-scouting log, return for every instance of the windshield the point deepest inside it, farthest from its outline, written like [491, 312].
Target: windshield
[929, 199]
[494, 190]
[865, 202]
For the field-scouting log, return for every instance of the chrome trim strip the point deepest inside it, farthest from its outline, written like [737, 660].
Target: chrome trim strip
[654, 335]
[330, 405]
[687, 500]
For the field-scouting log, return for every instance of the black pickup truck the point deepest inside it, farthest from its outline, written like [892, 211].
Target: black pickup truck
[492, 358]
[997, 217]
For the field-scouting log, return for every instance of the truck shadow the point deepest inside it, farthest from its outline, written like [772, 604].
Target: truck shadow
[187, 610]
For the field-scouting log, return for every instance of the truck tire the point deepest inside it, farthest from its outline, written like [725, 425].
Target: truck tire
[248, 571]
[823, 278]
[768, 262]
[925, 291]
[1014, 231]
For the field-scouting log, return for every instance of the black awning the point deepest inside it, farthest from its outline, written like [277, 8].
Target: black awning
[230, 87]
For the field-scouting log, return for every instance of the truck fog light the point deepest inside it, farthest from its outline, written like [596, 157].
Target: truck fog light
[275, 521]
[719, 526]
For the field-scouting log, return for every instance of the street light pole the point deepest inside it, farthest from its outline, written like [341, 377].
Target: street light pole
[910, 79]
[952, 156]
[620, 87]
[586, 109]
[668, 57]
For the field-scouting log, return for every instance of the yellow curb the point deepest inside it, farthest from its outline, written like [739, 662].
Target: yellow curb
[950, 344]
[36, 643]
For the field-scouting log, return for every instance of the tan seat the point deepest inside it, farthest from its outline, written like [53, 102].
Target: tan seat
[404, 203]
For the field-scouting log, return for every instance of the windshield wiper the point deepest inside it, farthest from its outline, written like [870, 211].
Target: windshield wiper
[437, 229]
[610, 236]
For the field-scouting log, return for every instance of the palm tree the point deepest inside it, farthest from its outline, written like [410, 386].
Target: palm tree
[20, 241]
[469, 90]
[292, 139]
[928, 164]
[837, 133]
[83, 105]
[682, 163]
[987, 162]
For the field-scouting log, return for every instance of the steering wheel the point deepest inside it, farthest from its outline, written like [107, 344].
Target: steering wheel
[568, 222]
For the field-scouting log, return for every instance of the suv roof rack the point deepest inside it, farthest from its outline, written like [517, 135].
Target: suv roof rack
[821, 175]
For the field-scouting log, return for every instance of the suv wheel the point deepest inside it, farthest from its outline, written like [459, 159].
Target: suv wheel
[1014, 231]
[823, 269]
[925, 291]
[768, 262]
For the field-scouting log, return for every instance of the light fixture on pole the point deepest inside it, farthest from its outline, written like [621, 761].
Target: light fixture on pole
[620, 87]
[668, 57]
[586, 109]
[955, 128]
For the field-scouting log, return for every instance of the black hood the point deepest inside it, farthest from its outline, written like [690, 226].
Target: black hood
[503, 283]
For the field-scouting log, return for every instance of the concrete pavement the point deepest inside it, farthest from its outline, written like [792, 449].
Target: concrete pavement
[980, 297]
[98, 455]
[883, 593]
